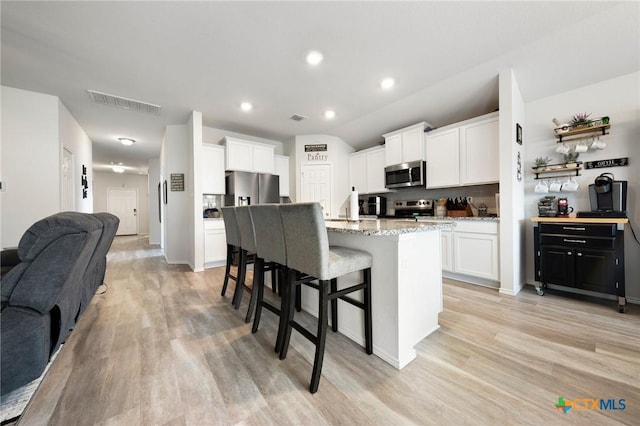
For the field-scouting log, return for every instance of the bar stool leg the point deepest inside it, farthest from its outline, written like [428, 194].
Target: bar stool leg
[274, 280]
[227, 269]
[258, 282]
[323, 309]
[242, 269]
[334, 306]
[288, 306]
[368, 333]
[259, 290]
[283, 277]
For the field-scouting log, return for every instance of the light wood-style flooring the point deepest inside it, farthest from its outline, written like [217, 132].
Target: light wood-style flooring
[162, 347]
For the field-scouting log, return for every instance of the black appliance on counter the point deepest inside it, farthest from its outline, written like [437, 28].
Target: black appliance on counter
[413, 208]
[377, 206]
[608, 197]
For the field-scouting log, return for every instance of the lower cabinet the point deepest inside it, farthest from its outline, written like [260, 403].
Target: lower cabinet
[582, 256]
[215, 242]
[472, 250]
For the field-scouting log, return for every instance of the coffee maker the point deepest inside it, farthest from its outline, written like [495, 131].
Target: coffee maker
[608, 197]
[377, 206]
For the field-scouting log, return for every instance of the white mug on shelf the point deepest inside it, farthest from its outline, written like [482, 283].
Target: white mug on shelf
[570, 185]
[563, 149]
[555, 186]
[581, 147]
[598, 144]
[541, 187]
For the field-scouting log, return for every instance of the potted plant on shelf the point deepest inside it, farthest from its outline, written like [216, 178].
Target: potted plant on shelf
[581, 120]
[542, 162]
[571, 158]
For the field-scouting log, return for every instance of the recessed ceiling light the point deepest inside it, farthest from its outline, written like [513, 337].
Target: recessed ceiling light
[246, 106]
[118, 169]
[387, 83]
[329, 114]
[314, 57]
[126, 141]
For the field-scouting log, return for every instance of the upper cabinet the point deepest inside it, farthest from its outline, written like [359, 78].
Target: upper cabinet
[213, 169]
[282, 170]
[366, 170]
[464, 154]
[249, 156]
[405, 144]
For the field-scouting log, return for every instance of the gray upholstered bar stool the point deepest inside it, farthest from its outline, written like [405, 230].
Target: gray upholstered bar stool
[233, 246]
[270, 247]
[308, 251]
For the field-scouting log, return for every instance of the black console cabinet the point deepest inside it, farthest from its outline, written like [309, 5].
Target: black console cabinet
[585, 256]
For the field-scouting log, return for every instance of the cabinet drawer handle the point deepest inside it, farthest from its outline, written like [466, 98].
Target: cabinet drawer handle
[579, 254]
[572, 228]
[574, 241]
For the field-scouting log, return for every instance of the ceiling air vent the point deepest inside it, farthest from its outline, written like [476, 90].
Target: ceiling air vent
[298, 117]
[124, 103]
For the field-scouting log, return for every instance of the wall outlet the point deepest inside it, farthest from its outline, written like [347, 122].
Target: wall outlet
[470, 199]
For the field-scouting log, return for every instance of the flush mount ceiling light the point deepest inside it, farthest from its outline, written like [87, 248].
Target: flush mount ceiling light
[118, 169]
[329, 114]
[314, 57]
[246, 106]
[126, 141]
[387, 83]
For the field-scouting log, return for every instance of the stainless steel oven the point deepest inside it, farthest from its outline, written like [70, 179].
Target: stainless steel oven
[404, 175]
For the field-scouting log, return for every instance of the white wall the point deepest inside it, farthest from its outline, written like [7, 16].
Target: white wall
[619, 99]
[102, 181]
[512, 217]
[155, 228]
[337, 155]
[176, 211]
[76, 141]
[30, 161]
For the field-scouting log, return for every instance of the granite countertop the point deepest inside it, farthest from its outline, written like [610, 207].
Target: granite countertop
[476, 218]
[385, 227]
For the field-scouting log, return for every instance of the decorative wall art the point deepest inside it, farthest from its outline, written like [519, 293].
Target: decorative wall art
[518, 134]
[84, 182]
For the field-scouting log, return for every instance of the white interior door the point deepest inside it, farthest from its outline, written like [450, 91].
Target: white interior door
[68, 199]
[316, 185]
[123, 202]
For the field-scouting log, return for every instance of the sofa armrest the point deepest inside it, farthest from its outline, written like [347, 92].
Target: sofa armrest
[8, 259]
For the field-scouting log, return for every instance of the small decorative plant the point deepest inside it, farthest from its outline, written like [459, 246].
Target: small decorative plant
[571, 157]
[580, 119]
[542, 161]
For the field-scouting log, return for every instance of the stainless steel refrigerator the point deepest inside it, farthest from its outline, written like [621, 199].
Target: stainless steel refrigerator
[246, 188]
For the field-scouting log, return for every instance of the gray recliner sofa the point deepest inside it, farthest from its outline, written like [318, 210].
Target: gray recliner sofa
[62, 260]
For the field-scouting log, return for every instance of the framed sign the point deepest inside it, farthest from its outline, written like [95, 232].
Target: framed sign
[518, 134]
[177, 181]
[316, 147]
[613, 162]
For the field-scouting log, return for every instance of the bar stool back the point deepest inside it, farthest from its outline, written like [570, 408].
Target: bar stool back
[233, 245]
[270, 248]
[247, 248]
[308, 251]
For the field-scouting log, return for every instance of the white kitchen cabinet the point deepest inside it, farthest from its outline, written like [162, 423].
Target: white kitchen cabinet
[480, 152]
[405, 144]
[213, 169]
[465, 153]
[375, 170]
[282, 170]
[475, 250]
[442, 150]
[446, 238]
[358, 172]
[215, 242]
[249, 156]
[366, 170]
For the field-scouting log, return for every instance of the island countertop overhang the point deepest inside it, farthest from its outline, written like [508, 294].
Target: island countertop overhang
[386, 227]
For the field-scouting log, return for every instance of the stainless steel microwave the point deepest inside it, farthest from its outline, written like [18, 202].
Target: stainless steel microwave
[403, 175]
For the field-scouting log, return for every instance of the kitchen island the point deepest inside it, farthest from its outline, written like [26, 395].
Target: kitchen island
[406, 283]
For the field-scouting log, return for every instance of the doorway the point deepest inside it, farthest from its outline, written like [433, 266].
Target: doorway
[68, 199]
[123, 202]
[316, 185]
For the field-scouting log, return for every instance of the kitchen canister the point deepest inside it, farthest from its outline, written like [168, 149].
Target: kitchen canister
[441, 211]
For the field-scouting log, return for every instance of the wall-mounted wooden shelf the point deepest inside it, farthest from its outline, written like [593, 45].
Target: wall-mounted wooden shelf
[581, 132]
[557, 170]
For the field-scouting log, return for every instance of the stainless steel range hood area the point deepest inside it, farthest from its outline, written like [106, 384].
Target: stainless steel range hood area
[247, 188]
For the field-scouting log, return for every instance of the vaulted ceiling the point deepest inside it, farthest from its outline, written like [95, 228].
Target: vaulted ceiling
[211, 56]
